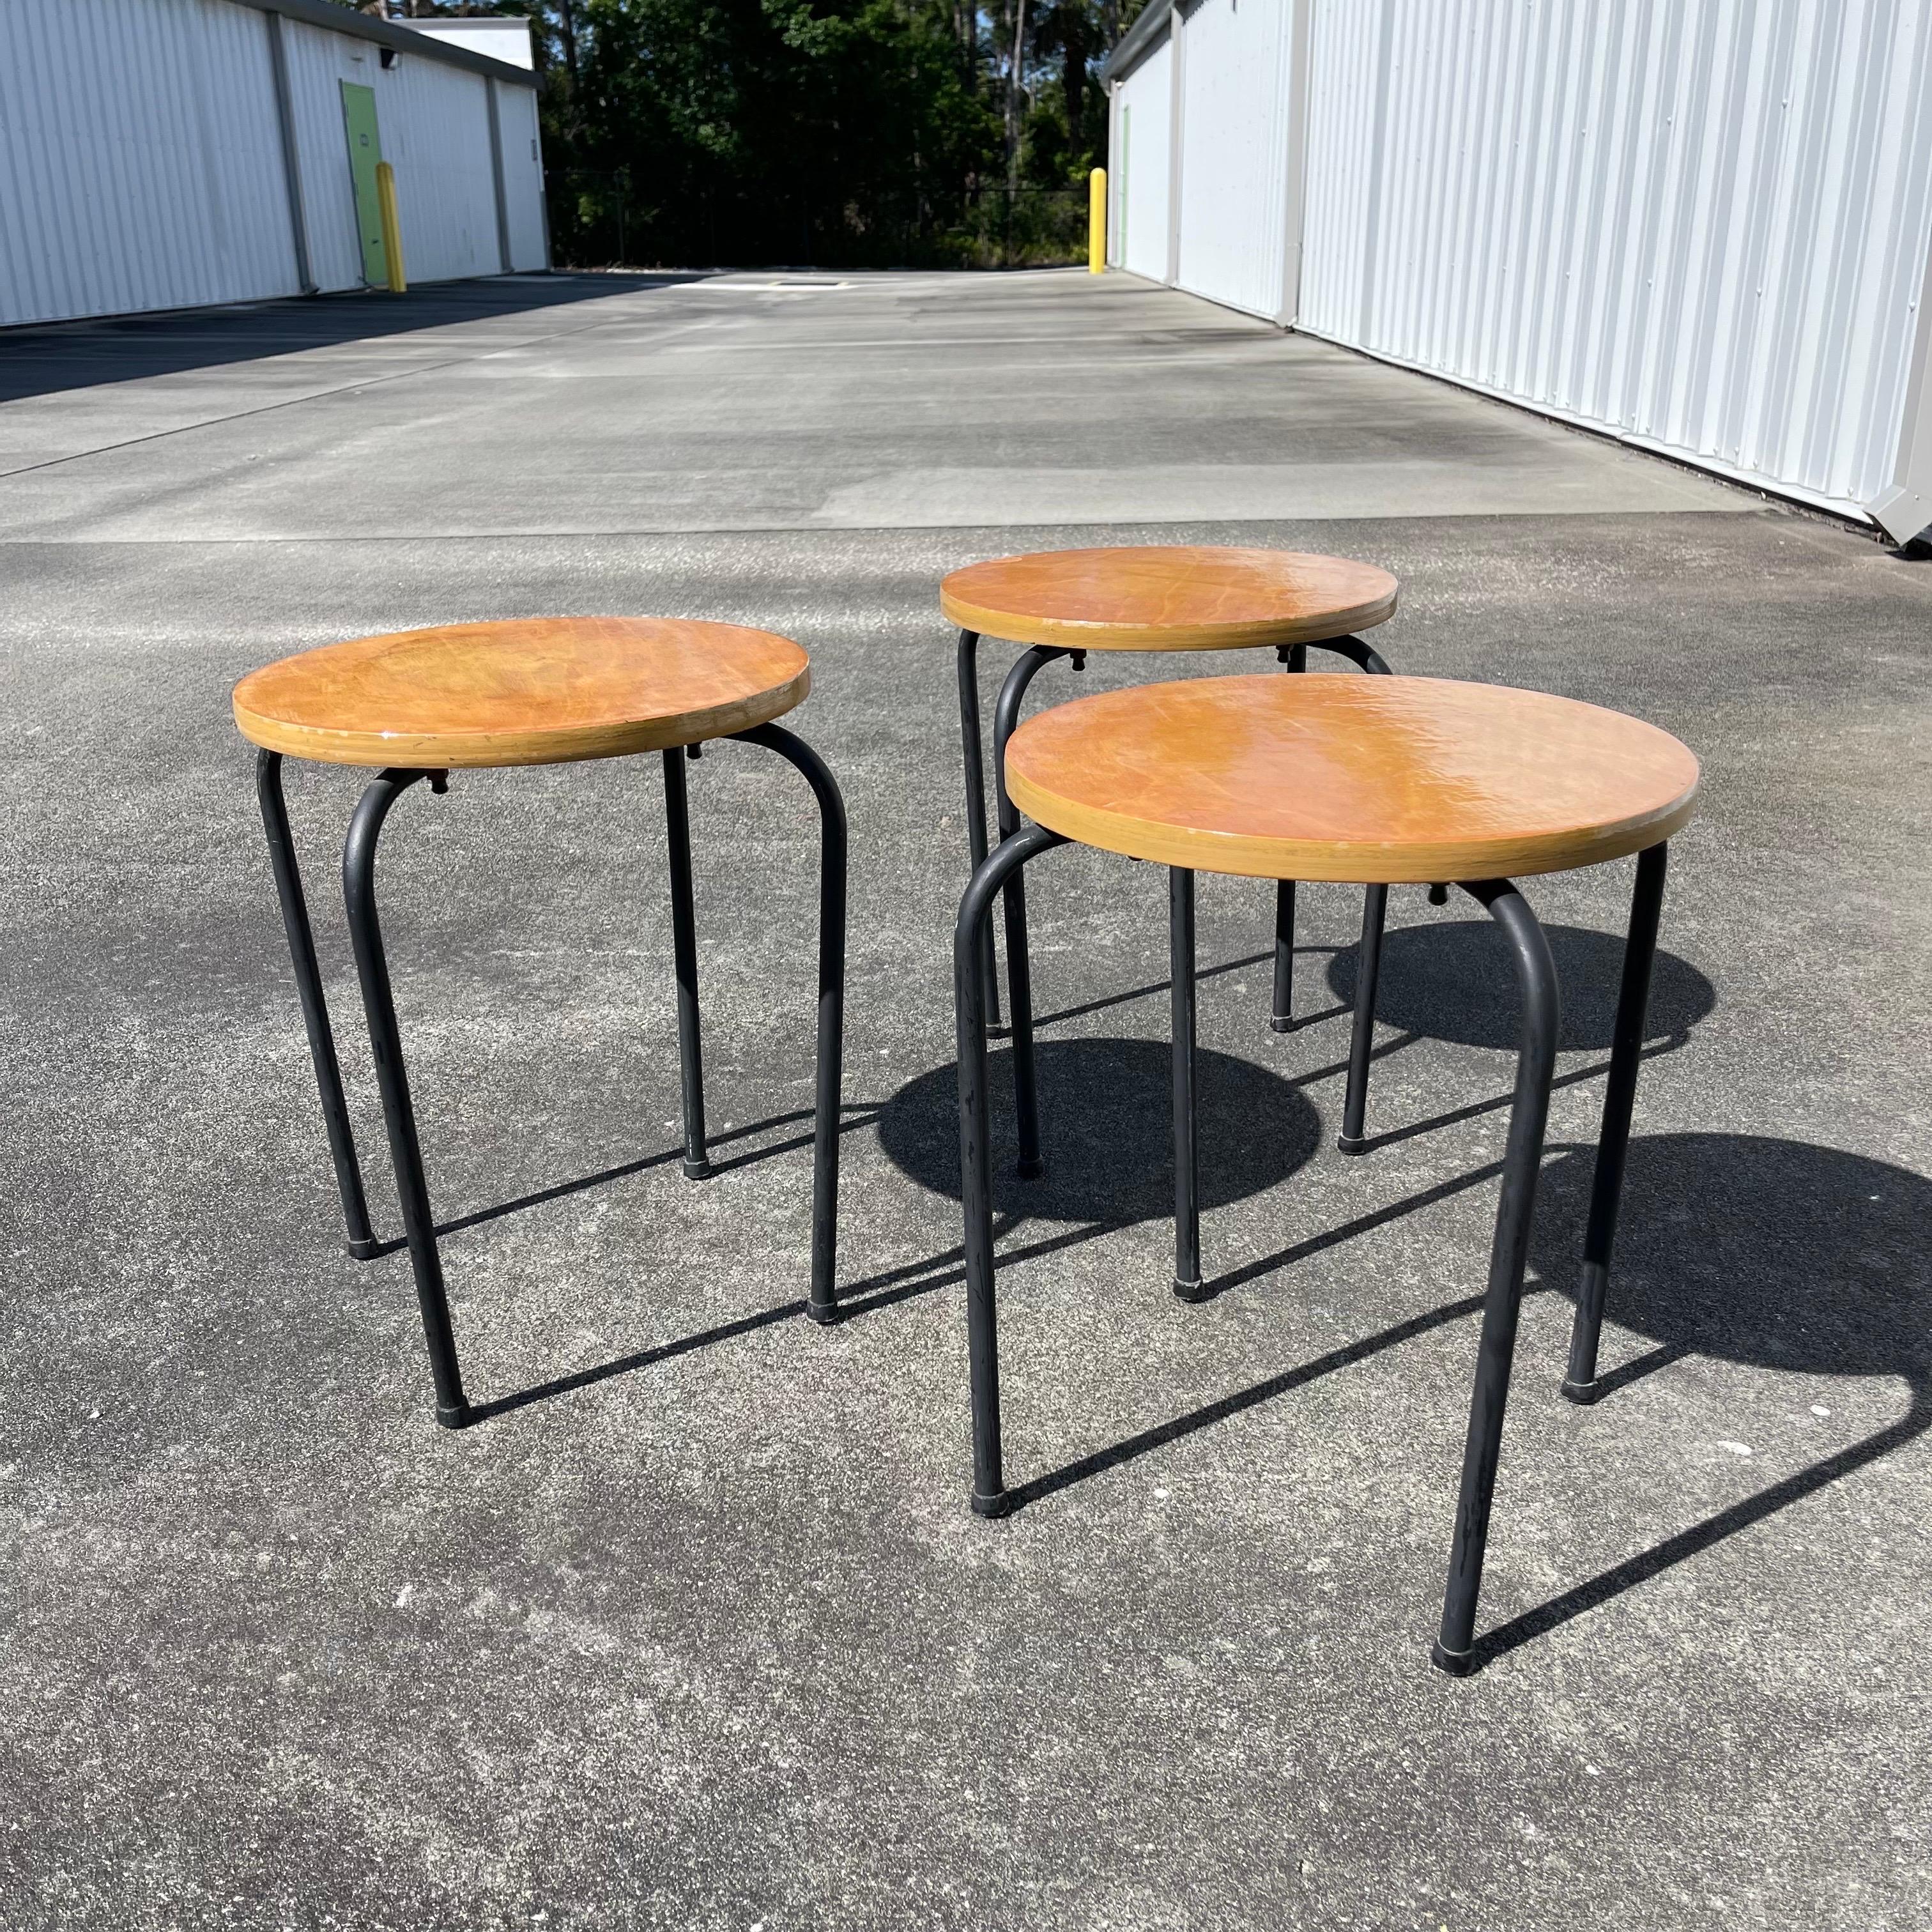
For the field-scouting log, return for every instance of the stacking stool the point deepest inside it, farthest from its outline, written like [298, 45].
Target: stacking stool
[1066, 603]
[1385, 781]
[418, 704]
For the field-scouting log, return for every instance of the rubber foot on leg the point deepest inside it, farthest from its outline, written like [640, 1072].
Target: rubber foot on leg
[825, 1313]
[1351, 1143]
[993, 1506]
[1454, 1662]
[1280, 1023]
[461, 1416]
[362, 1251]
[697, 1170]
[1031, 1170]
[1193, 1291]
[1583, 1394]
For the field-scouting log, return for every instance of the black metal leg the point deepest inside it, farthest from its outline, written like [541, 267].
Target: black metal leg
[822, 1305]
[1613, 1143]
[1019, 965]
[1364, 655]
[1186, 1161]
[1295, 657]
[1026, 667]
[360, 1238]
[684, 949]
[1536, 1063]
[989, 1496]
[976, 792]
[1282, 1017]
[1281, 1020]
[1019, 1007]
[365, 933]
[1361, 1044]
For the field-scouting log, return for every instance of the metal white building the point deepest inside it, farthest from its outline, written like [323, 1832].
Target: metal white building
[167, 154]
[1704, 226]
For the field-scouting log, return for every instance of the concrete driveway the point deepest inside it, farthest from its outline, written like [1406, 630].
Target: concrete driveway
[696, 1630]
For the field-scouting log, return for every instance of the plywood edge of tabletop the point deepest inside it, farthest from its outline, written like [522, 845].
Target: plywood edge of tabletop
[1080, 634]
[1411, 862]
[551, 745]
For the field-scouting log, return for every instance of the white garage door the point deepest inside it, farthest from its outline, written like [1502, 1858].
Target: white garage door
[1142, 160]
[1236, 63]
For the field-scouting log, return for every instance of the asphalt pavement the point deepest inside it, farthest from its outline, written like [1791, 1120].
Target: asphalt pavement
[696, 1630]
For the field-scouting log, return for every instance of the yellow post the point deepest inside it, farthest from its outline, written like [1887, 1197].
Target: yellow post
[392, 228]
[1096, 222]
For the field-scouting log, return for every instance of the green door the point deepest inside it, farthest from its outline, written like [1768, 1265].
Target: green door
[365, 150]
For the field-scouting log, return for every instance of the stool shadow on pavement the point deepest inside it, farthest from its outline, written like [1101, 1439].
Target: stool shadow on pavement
[1452, 980]
[1107, 1132]
[1774, 1255]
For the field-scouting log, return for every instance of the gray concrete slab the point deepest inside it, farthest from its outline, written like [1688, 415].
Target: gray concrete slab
[702, 1634]
[881, 403]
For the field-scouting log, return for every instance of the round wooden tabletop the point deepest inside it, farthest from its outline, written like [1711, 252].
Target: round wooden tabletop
[1375, 780]
[539, 691]
[1177, 597]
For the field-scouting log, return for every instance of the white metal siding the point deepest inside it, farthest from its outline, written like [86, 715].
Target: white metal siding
[142, 164]
[1701, 224]
[434, 125]
[1235, 94]
[318, 63]
[140, 159]
[435, 122]
[1145, 159]
[523, 177]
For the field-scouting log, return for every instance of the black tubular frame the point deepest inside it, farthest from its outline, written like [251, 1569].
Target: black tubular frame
[975, 797]
[822, 1305]
[1453, 1650]
[453, 1408]
[1580, 1385]
[684, 958]
[1005, 719]
[372, 968]
[1362, 1038]
[1187, 1283]
[1281, 1014]
[1009, 857]
[1509, 1254]
[359, 1238]
[1019, 989]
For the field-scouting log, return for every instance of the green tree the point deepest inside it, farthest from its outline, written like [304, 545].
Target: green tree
[838, 132]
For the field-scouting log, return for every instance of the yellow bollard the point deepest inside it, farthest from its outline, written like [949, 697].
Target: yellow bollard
[1096, 222]
[392, 228]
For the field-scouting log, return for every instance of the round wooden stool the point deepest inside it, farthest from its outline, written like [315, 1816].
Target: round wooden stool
[1379, 781]
[418, 704]
[1186, 597]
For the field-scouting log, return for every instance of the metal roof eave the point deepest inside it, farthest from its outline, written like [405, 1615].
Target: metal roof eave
[335, 20]
[1136, 40]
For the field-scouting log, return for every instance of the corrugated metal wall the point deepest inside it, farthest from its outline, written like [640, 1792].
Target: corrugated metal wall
[1145, 119]
[142, 166]
[523, 177]
[161, 193]
[1701, 224]
[434, 124]
[1236, 61]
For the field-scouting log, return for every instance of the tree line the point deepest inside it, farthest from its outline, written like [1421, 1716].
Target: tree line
[830, 133]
